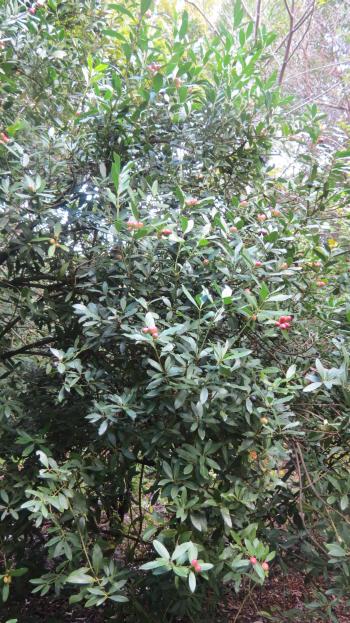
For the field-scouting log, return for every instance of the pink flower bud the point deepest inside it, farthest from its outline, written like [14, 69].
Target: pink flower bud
[253, 560]
[265, 566]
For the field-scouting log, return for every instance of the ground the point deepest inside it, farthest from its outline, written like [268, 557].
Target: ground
[280, 594]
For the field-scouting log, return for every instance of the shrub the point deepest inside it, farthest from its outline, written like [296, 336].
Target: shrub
[175, 315]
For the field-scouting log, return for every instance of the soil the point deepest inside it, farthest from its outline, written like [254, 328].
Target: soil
[271, 602]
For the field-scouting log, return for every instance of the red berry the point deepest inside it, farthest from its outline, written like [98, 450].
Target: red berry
[166, 232]
[253, 560]
[276, 213]
[194, 562]
[321, 284]
[265, 566]
[277, 323]
[289, 318]
[4, 138]
[257, 263]
[192, 201]
[145, 329]
[283, 318]
[32, 10]
[154, 67]
[262, 217]
[233, 229]
[198, 568]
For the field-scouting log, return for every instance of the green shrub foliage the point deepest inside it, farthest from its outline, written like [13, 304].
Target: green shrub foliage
[174, 401]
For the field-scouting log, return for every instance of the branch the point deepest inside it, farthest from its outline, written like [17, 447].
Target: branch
[309, 17]
[289, 41]
[257, 19]
[247, 10]
[204, 16]
[18, 351]
[290, 12]
[314, 97]
[9, 326]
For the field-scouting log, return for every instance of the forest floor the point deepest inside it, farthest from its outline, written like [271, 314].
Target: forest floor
[272, 602]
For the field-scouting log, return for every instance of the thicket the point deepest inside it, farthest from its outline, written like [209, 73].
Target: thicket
[174, 316]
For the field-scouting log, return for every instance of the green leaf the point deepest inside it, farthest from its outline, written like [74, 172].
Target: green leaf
[199, 521]
[5, 592]
[238, 13]
[115, 172]
[153, 564]
[80, 577]
[291, 372]
[184, 25]
[312, 387]
[97, 558]
[336, 550]
[161, 549]
[145, 5]
[180, 550]
[157, 82]
[226, 516]
[344, 502]
[192, 581]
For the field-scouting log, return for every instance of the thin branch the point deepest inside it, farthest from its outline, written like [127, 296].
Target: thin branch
[204, 16]
[9, 326]
[313, 97]
[289, 10]
[289, 41]
[311, 12]
[309, 71]
[247, 11]
[19, 351]
[257, 19]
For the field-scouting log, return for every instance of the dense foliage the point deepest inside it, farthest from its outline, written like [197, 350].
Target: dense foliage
[175, 404]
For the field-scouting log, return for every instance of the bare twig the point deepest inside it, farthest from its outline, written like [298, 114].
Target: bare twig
[289, 40]
[212, 26]
[23, 350]
[247, 11]
[313, 98]
[257, 19]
